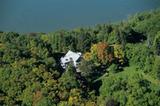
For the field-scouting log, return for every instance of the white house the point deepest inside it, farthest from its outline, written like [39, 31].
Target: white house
[71, 57]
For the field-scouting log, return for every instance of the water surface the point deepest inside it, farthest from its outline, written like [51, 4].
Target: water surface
[51, 15]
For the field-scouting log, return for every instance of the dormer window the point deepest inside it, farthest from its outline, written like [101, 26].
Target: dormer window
[70, 58]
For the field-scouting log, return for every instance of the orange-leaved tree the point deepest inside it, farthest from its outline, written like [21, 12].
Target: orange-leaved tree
[99, 53]
[102, 52]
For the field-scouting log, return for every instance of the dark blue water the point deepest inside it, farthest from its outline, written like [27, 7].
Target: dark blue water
[51, 15]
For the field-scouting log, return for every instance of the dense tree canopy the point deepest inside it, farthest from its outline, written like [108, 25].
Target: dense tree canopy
[120, 65]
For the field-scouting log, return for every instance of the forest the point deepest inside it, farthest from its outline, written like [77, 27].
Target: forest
[120, 65]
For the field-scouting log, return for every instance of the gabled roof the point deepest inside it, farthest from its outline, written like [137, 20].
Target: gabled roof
[70, 57]
[69, 53]
[73, 55]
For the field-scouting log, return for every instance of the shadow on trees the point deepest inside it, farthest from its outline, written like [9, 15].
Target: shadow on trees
[57, 57]
[96, 87]
[135, 37]
[112, 102]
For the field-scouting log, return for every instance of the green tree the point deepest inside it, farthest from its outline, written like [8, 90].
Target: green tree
[68, 78]
[157, 43]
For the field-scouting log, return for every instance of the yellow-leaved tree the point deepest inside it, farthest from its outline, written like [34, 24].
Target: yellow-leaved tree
[87, 56]
[118, 53]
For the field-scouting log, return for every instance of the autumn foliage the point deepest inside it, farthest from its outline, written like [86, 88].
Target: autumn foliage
[87, 56]
[102, 51]
[118, 53]
[99, 53]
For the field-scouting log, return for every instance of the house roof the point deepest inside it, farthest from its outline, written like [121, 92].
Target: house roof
[73, 55]
[69, 53]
